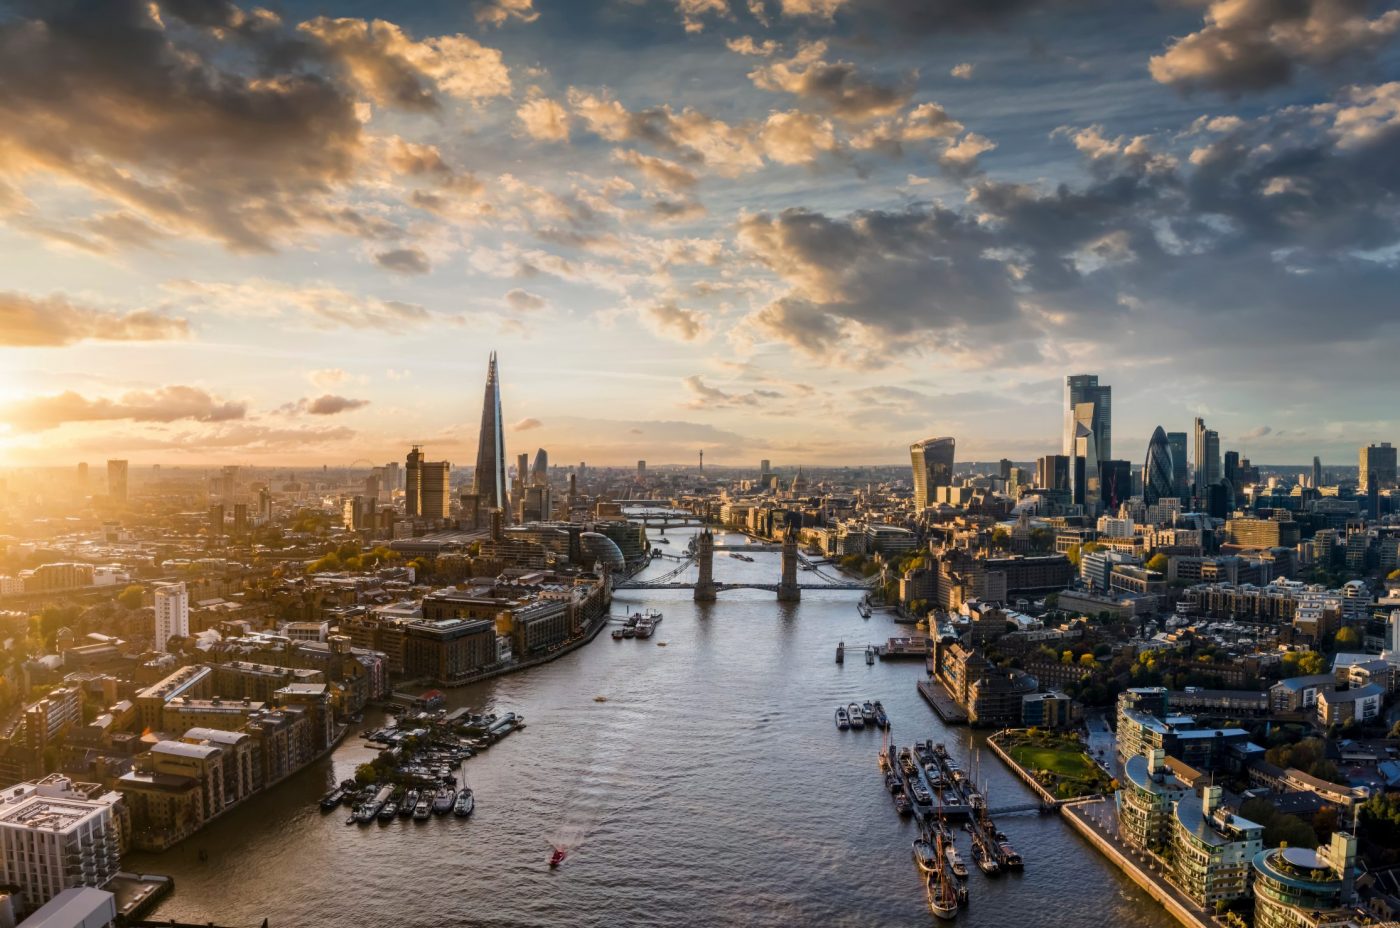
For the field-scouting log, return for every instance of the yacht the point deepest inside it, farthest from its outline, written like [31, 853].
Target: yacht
[843, 721]
[465, 803]
[853, 712]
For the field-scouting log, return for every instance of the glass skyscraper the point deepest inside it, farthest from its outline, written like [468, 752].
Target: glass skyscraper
[932, 459]
[489, 482]
[1159, 470]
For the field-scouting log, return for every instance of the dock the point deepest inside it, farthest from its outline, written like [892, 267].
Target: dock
[914, 647]
[943, 703]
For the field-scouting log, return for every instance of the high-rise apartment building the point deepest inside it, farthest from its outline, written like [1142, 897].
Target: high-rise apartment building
[116, 481]
[54, 836]
[1378, 460]
[932, 460]
[1177, 441]
[216, 521]
[172, 613]
[436, 498]
[1207, 457]
[413, 483]
[641, 469]
[489, 481]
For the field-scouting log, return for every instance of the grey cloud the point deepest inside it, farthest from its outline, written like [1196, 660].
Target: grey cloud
[330, 404]
[404, 261]
[1251, 45]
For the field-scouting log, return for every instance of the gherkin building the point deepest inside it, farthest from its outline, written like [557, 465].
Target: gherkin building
[1157, 480]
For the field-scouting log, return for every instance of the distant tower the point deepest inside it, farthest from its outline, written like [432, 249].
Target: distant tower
[788, 590]
[705, 558]
[702, 461]
[489, 482]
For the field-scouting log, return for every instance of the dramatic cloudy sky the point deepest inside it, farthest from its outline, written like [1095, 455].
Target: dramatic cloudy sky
[810, 230]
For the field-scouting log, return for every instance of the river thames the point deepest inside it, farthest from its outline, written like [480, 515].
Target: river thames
[710, 789]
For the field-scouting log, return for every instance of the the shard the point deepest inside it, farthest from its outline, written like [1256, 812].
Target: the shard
[489, 483]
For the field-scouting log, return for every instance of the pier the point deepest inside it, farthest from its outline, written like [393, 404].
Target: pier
[943, 703]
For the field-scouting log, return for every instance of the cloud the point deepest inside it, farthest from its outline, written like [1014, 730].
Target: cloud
[963, 71]
[227, 129]
[523, 301]
[705, 396]
[328, 377]
[746, 45]
[1252, 45]
[544, 119]
[404, 261]
[499, 12]
[667, 318]
[659, 171]
[525, 425]
[692, 12]
[165, 404]
[727, 148]
[795, 137]
[1258, 431]
[53, 321]
[816, 9]
[394, 70]
[329, 405]
[322, 304]
[836, 86]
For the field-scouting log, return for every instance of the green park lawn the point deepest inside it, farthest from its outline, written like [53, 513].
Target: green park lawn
[1071, 771]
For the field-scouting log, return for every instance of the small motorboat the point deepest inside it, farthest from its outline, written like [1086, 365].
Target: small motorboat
[389, 812]
[465, 803]
[867, 712]
[853, 713]
[556, 858]
[881, 719]
[618, 634]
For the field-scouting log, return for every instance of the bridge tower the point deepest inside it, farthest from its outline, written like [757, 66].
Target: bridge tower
[705, 558]
[788, 590]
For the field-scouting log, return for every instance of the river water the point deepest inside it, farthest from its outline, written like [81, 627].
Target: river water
[710, 789]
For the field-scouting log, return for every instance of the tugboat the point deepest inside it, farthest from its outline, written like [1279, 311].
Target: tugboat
[465, 803]
[843, 720]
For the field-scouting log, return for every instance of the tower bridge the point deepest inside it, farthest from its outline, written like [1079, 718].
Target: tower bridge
[706, 587]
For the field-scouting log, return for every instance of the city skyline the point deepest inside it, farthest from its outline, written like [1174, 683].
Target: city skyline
[813, 231]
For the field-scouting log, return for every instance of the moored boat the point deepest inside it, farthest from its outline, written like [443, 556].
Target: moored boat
[389, 812]
[984, 861]
[925, 857]
[617, 634]
[843, 721]
[443, 801]
[423, 811]
[954, 861]
[465, 803]
[840, 652]
[332, 800]
[942, 898]
[1013, 859]
[853, 713]
[410, 802]
[881, 719]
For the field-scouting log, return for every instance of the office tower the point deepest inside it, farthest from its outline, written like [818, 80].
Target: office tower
[372, 486]
[172, 613]
[55, 837]
[1084, 480]
[539, 470]
[522, 467]
[1373, 495]
[1085, 388]
[489, 481]
[228, 483]
[116, 481]
[413, 483]
[1004, 468]
[932, 460]
[1115, 483]
[641, 469]
[1052, 472]
[436, 502]
[1378, 460]
[764, 466]
[393, 477]
[1317, 472]
[1232, 467]
[240, 518]
[82, 476]
[1177, 442]
[1207, 457]
[265, 505]
[1159, 470]
[216, 521]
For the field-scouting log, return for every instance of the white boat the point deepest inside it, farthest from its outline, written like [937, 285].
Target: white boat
[853, 712]
[843, 719]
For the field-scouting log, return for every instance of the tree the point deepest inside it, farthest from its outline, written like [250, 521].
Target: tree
[1087, 660]
[131, 597]
[366, 774]
[1001, 538]
[1347, 637]
[1158, 562]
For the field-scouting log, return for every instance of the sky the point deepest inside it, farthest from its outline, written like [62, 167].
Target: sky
[805, 230]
